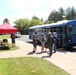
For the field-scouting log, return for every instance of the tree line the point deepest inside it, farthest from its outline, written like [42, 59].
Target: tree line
[23, 24]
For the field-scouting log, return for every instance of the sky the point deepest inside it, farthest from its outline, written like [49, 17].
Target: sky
[16, 9]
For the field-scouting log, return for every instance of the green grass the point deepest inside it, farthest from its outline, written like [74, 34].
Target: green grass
[4, 36]
[11, 48]
[28, 66]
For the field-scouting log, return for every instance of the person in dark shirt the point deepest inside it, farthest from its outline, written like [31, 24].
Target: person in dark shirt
[55, 41]
[13, 39]
[34, 43]
[50, 43]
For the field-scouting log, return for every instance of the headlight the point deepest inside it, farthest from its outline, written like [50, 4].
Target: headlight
[69, 39]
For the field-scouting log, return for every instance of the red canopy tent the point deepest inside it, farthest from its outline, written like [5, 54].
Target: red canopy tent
[6, 28]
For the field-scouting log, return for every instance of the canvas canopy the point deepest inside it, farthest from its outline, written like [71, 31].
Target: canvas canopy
[6, 28]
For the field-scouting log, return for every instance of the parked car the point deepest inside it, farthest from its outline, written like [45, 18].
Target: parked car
[17, 34]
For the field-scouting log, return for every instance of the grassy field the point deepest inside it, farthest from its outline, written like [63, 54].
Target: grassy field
[28, 66]
[4, 36]
[11, 48]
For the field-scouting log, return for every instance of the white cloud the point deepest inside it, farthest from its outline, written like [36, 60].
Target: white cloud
[27, 4]
[29, 8]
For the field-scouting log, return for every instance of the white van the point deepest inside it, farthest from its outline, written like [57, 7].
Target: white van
[17, 34]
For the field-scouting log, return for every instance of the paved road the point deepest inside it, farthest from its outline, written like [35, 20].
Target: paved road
[24, 38]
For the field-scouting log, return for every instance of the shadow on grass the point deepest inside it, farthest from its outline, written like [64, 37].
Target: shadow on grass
[11, 48]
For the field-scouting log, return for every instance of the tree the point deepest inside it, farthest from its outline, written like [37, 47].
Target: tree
[24, 24]
[34, 22]
[42, 19]
[61, 10]
[34, 17]
[6, 21]
[70, 13]
[55, 16]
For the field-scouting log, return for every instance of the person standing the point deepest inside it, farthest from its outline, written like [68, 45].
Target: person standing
[35, 33]
[50, 43]
[55, 41]
[43, 39]
[34, 43]
[13, 39]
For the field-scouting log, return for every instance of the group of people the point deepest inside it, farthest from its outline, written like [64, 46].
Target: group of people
[48, 41]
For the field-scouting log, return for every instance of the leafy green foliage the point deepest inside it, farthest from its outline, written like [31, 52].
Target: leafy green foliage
[4, 36]
[24, 24]
[54, 16]
[70, 13]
